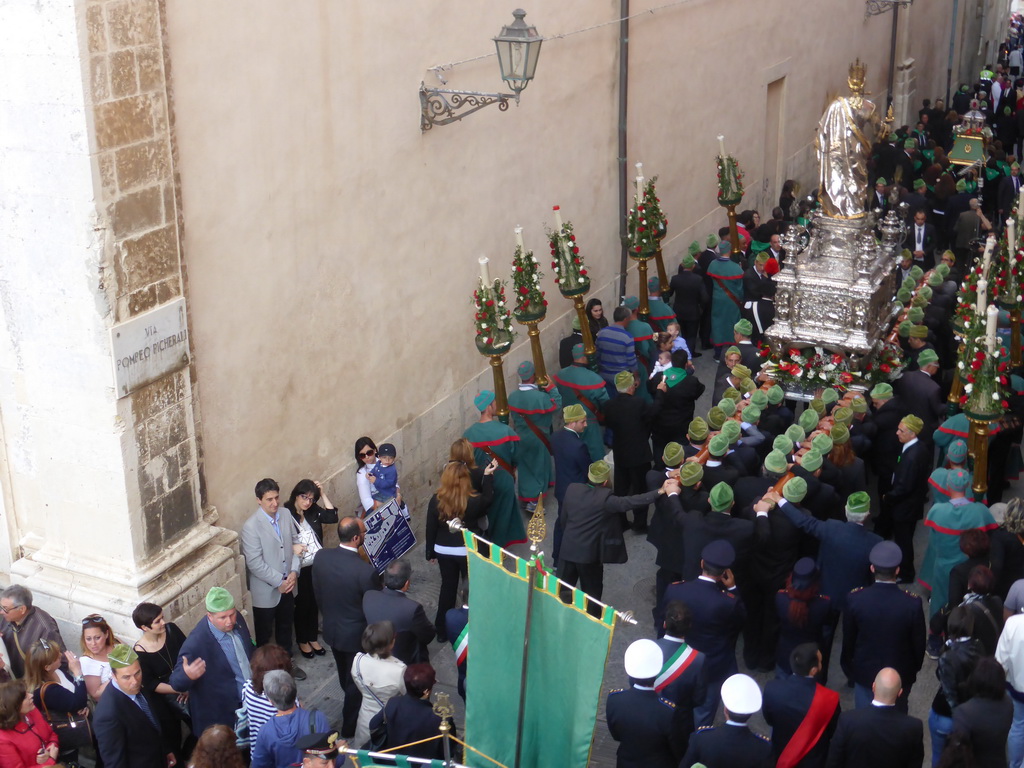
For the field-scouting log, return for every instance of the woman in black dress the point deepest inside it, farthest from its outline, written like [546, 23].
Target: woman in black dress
[309, 517]
[158, 652]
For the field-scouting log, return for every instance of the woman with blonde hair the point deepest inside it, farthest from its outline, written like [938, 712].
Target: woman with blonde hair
[60, 698]
[97, 641]
[455, 498]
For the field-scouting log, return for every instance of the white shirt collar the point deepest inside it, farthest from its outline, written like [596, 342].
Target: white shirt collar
[350, 549]
[908, 444]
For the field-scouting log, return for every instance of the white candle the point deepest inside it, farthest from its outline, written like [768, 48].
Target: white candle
[982, 295]
[483, 271]
[990, 329]
[1011, 234]
[1020, 203]
[519, 239]
[721, 146]
[639, 183]
[989, 245]
[558, 217]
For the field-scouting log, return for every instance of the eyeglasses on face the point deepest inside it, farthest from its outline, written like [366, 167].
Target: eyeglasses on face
[367, 452]
[95, 619]
[5, 609]
[306, 496]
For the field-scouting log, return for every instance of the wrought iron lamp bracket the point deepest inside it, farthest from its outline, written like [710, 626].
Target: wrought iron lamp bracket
[441, 106]
[878, 7]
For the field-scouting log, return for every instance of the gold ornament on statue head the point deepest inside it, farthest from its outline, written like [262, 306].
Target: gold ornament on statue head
[857, 78]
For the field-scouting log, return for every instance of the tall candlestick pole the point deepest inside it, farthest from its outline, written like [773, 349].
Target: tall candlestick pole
[721, 146]
[519, 239]
[990, 329]
[987, 258]
[483, 271]
[1011, 235]
[1020, 203]
[982, 295]
[639, 183]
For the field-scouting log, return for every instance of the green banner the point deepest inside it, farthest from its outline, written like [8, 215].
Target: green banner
[568, 649]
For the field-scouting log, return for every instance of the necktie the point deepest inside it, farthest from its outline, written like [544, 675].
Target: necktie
[144, 706]
[920, 238]
[243, 660]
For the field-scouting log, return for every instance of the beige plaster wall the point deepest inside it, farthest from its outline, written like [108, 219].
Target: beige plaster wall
[331, 247]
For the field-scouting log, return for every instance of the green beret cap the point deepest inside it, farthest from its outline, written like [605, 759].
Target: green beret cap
[843, 415]
[691, 473]
[795, 489]
[718, 445]
[731, 393]
[919, 331]
[624, 380]
[743, 327]
[782, 444]
[746, 385]
[123, 656]
[724, 248]
[859, 404]
[795, 433]
[728, 406]
[759, 398]
[732, 430]
[943, 269]
[808, 421]
[631, 303]
[913, 423]
[481, 401]
[957, 480]
[687, 261]
[721, 497]
[654, 285]
[916, 272]
[881, 180]
[821, 443]
[751, 414]
[573, 413]
[909, 144]
[811, 461]
[915, 314]
[909, 283]
[818, 406]
[732, 350]
[599, 472]
[775, 462]
[775, 394]
[858, 503]
[698, 430]
[712, 241]
[906, 255]
[881, 391]
[934, 280]
[919, 184]
[927, 292]
[840, 434]
[920, 300]
[927, 357]
[716, 418]
[219, 599]
[903, 329]
[740, 371]
[903, 296]
[1014, 165]
[694, 248]
[957, 451]
[526, 370]
[961, 186]
[829, 396]
[762, 257]
[577, 349]
[673, 455]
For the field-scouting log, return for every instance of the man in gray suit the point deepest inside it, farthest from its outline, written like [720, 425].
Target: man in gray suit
[272, 569]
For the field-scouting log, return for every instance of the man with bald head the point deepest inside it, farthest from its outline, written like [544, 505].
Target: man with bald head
[340, 579]
[879, 736]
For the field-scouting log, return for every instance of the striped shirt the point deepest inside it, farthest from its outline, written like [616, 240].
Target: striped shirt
[616, 351]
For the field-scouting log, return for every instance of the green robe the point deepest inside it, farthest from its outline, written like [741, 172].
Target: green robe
[945, 522]
[504, 520]
[727, 277]
[532, 456]
[576, 382]
[661, 314]
[646, 354]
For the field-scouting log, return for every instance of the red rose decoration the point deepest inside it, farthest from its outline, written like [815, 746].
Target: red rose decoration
[583, 271]
[976, 365]
[764, 353]
[846, 377]
[884, 368]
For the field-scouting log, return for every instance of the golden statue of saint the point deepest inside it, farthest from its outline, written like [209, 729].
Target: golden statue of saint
[846, 133]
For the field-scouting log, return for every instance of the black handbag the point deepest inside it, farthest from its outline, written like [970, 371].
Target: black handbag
[73, 730]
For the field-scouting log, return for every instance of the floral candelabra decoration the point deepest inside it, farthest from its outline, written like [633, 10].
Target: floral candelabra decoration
[531, 306]
[571, 274]
[494, 331]
[730, 190]
[641, 243]
[658, 225]
[1009, 266]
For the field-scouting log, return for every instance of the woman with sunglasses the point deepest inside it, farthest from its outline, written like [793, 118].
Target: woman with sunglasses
[26, 739]
[53, 692]
[309, 519]
[366, 457]
[97, 641]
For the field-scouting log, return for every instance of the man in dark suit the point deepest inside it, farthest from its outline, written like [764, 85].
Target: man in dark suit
[718, 616]
[742, 334]
[572, 460]
[1007, 194]
[878, 199]
[681, 678]
[716, 470]
[755, 282]
[639, 718]
[704, 261]
[413, 630]
[630, 419]
[213, 663]
[340, 579]
[789, 702]
[127, 730]
[690, 297]
[878, 736]
[918, 387]
[921, 241]
[732, 745]
[411, 717]
[883, 626]
[699, 530]
[903, 503]
[885, 445]
[591, 523]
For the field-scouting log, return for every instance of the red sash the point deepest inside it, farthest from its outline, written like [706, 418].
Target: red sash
[501, 462]
[823, 706]
[590, 404]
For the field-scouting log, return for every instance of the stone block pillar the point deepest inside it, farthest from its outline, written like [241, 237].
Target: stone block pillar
[100, 456]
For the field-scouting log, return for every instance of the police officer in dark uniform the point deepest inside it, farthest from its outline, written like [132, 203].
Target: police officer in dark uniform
[732, 745]
[638, 717]
[883, 626]
[718, 616]
[681, 679]
[319, 750]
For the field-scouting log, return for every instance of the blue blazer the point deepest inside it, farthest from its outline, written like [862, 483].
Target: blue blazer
[213, 698]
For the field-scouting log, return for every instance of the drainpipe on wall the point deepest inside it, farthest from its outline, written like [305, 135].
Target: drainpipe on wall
[623, 93]
[952, 47]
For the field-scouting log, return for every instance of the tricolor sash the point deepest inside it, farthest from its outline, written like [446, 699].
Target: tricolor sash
[823, 706]
[462, 646]
[674, 667]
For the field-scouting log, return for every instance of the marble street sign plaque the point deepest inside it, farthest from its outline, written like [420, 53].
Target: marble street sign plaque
[149, 346]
